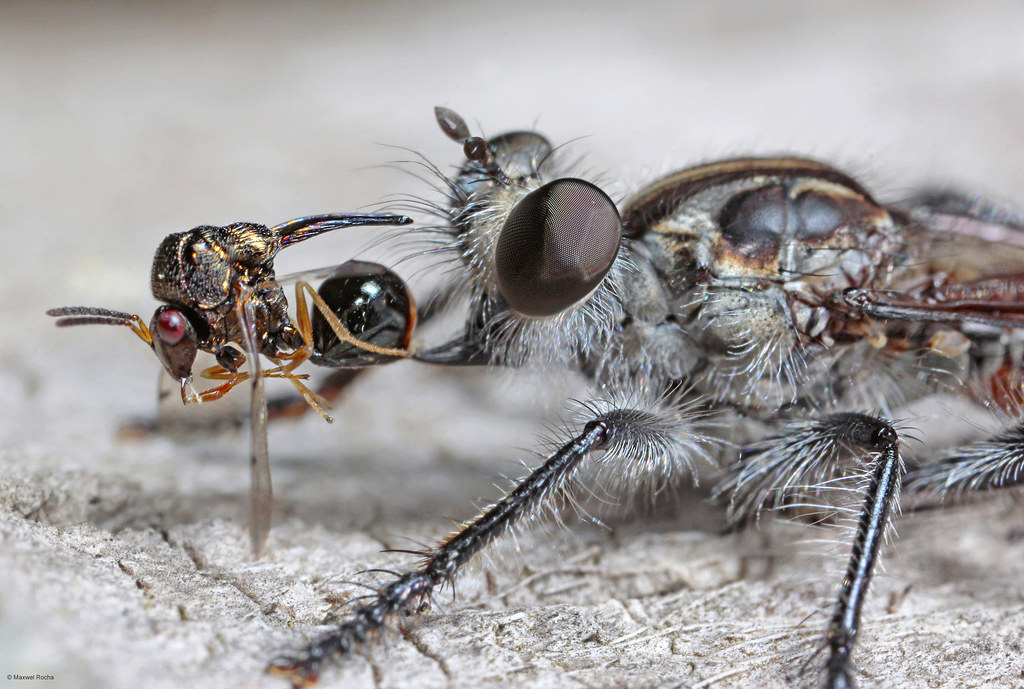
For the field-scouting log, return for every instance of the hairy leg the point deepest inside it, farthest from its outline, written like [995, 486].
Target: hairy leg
[649, 439]
[977, 467]
[795, 470]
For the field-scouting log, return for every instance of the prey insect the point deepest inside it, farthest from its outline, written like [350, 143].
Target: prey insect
[767, 315]
[221, 296]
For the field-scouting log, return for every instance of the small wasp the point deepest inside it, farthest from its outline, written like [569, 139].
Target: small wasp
[221, 296]
[767, 315]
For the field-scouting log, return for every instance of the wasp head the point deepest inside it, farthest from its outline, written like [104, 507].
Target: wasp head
[176, 342]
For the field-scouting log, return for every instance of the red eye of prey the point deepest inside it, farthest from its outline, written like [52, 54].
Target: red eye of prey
[170, 327]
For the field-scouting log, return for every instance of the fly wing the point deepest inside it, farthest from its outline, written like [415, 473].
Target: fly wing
[960, 269]
[261, 494]
[967, 240]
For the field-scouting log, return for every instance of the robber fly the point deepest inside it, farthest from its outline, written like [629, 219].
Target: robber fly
[766, 314]
[221, 296]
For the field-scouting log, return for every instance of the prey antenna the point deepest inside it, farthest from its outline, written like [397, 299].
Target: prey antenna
[90, 315]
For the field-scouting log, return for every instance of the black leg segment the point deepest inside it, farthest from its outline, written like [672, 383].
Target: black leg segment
[635, 435]
[800, 469]
[880, 439]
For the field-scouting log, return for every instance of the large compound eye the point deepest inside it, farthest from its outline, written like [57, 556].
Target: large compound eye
[556, 246]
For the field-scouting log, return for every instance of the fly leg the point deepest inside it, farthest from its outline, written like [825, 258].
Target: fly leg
[796, 470]
[879, 438]
[653, 441]
[977, 467]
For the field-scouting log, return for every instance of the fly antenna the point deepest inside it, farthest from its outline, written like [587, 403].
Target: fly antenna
[476, 148]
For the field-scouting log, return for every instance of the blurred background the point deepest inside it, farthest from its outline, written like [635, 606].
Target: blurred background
[121, 123]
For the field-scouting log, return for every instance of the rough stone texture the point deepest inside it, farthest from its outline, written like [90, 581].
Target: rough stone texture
[125, 564]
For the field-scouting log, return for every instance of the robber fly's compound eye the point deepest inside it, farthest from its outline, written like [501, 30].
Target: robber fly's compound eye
[175, 341]
[556, 246]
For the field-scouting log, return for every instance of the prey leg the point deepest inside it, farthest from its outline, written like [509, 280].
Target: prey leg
[335, 383]
[287, 362]
[234, 378]
[329, 390]
[639, 436]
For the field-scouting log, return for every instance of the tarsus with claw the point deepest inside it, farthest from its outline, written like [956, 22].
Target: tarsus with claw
[443, 563]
